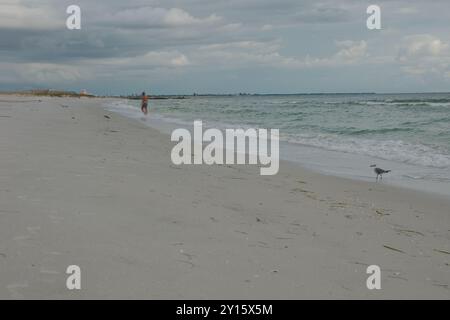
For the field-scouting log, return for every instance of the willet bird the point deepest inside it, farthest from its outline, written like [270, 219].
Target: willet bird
[379, 172]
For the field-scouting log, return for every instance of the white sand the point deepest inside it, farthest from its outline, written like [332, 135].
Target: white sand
[77, 188]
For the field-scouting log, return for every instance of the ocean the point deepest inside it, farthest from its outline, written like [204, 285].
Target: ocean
[337, 134]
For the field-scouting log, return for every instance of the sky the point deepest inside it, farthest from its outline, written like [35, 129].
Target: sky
[225, 46]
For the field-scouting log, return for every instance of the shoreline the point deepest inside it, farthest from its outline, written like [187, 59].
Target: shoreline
[78, 188]
[320, 160]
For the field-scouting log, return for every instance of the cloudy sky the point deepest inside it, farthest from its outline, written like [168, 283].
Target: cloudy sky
[225, 46]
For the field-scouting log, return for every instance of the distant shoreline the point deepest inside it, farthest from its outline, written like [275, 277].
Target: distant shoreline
[63, 93]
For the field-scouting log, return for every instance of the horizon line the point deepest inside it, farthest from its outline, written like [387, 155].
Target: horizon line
[19, 91]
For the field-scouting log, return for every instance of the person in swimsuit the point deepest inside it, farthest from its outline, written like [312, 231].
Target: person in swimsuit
[144, 104]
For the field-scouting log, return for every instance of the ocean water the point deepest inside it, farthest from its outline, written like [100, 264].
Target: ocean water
[339, 134]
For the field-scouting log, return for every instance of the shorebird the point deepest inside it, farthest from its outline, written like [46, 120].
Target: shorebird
[379, 171]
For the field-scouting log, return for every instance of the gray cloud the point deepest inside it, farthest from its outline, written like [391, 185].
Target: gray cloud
[176, 40]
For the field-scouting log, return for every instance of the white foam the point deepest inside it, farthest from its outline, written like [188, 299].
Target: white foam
[395, 150]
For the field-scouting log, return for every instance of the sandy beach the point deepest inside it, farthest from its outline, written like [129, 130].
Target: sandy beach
[79, 188]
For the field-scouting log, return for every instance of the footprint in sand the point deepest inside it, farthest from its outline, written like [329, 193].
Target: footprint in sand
[49, 272]
[307, 193]
[53, 253]
[338, 205]
[21, 238]
[14, 289]
[87, 213]
[55, 219]
[4, 212]
[187, 262]
[33, 230]
[189, 258]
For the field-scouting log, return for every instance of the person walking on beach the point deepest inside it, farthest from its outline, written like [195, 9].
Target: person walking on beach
[144, 104]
